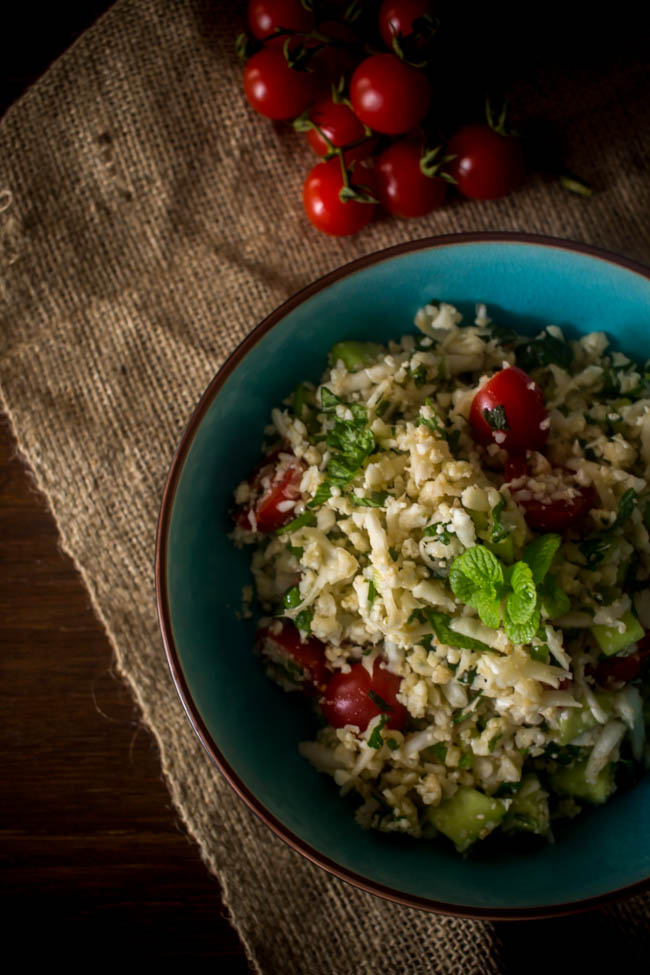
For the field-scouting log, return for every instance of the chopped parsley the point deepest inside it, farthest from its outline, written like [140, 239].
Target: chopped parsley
[544, 350]
[437, 751]
[306, 518]
[379, 701]
[372, 592]
[496, 418]
[376, 500]
[376, 739]
[443, 535]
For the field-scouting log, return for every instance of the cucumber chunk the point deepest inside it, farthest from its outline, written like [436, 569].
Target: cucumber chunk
[355, 355]
[570, 780]
[528, 812]
[468, 816]
[611, 641]
[575, 721]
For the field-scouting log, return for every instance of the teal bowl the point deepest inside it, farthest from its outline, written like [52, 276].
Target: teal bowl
[251, 728]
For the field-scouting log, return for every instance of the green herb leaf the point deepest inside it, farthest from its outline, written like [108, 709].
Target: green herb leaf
[296, 551]
[480, 566]
[292, 598]
[431, 531]
[539, 652]
[376, 740]
[441, 626]
[466, 760]
[329, 401]
[544, 350]
[303, 620]
[540, 553]
[394, 554]
[488, 607]
[496, 418]
[437, 751]
[376, 500]
[379, 701]
[521, 633]
[626, 506]
[392, 744]
[372, 592]
[499, 532]
[323, 494]
[494, 741]
[521, 602]
[306, 518]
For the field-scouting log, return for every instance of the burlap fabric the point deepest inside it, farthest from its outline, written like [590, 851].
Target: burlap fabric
[147, 222]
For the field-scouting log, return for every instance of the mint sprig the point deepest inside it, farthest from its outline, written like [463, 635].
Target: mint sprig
[511, 596]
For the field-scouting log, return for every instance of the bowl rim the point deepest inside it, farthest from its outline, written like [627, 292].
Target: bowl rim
[162, 594]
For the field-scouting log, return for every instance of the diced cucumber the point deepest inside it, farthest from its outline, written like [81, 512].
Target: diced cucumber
[468, 816]
[505, 549]
[303, 398]
[355, 355]
[480, 518]
[570, 780]
[528, 812]
[575, 721]
[611, 641]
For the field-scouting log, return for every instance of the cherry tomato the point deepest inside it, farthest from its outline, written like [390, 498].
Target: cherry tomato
[272, 483]
[341, 126]
[518, 420]
[274, 89]
[388, 95]
[623, 669]
[487, 165]
[397, 16]
[403, 188]
[348, 698]
[287, 646]
[266, 16]
[553, 515]
[323, 205]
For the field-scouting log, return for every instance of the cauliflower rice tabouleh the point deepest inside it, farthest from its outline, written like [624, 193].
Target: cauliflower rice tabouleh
[451, 553]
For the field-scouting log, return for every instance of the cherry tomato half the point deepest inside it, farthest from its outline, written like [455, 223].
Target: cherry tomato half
[623, 669]
[356, 698]
[274, 89]
[553, 515]
[397, 16]
[272, 483]
[509, 411]
[286, 647]
[341, 126]
[487, 165]
[323, 205]
[388, 95]
[403, 188]
[266, 16]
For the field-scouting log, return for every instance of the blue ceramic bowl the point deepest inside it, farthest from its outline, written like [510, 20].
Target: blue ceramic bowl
[249, 727]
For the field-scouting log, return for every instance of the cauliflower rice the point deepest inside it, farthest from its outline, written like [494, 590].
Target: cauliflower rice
[507, 725]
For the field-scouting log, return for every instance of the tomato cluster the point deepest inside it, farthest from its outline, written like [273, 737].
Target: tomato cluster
[363, 91]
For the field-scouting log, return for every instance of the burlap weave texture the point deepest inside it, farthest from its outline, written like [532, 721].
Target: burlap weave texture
[147, 223]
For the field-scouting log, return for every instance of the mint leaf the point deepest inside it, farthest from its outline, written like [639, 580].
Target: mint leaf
[488, 607]
[540, 553]
[441, 626]
[307, 518]
[521, 633]
[481, 566]
[496, 418]
[554, 599]
[462, 586]
[521, 602]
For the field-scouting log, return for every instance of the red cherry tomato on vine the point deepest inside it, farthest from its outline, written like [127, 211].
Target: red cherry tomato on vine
[323, 205]
[357, 697]
[552, 515]
[274, 89]
[402, 187]
[487, 165]
[266, 16]
[341, 126]
[286, 647]
[397, 16]
[509, 411]
[388, 95]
